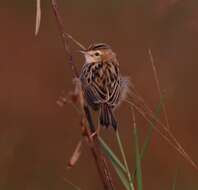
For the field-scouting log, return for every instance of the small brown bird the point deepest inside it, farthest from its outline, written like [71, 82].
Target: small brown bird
[103, 86]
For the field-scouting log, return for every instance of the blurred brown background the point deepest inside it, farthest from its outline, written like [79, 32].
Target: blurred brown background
[37, 137]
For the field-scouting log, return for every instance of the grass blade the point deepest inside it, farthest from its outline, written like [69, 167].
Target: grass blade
[125, 161]
[149, 133]
[137, 153]
[117, 164]
[122, 176]
[114, 159]
[156, 77]
[150, 130]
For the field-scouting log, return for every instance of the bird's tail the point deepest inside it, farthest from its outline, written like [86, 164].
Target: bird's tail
[106, 117]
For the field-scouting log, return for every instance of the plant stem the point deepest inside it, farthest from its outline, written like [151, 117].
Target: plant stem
[100, 160]
[137, 153]
[125, 161]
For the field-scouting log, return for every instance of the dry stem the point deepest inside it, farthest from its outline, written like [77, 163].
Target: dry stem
[139, 104]
[158, 87]
[100, 160]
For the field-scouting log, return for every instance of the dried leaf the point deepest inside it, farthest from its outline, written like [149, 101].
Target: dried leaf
[61, 101]
[38, 16]
[74, 158]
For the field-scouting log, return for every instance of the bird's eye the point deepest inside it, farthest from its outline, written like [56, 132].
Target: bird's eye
[97, 54]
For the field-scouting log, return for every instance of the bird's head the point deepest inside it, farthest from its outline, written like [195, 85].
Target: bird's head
[98, 53]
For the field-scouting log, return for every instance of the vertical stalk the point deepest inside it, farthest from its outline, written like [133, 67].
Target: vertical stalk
[125, 161]
[100, 160]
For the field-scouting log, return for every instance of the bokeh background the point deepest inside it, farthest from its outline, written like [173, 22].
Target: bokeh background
[37, 137]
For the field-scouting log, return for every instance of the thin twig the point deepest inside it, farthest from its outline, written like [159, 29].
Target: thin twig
[61, 25]
[65, 36]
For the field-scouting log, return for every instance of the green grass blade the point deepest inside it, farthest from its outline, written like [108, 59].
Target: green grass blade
[149, 133]
[117, 164]
[125, 161]
[122, 176]
[110, 154]
[150, 129]
[137, 154]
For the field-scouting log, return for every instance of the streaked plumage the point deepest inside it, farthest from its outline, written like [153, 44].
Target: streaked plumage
[102, 84]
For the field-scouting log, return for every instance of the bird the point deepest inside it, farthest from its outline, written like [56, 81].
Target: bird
[104, 88]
